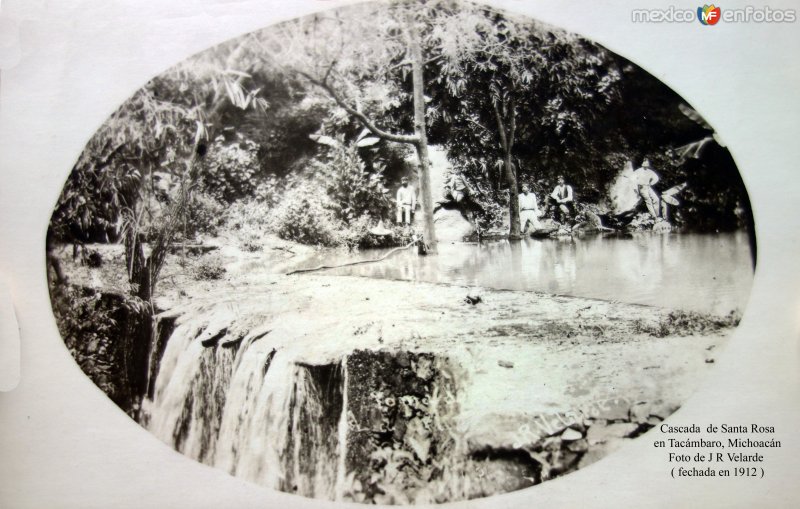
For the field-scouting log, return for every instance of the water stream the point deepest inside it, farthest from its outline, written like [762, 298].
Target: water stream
[709, 273]
[231, 389]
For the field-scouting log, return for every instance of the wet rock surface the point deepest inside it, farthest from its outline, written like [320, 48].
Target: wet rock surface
[374, 407]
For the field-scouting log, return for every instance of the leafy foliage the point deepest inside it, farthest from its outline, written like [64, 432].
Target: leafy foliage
[230, 169]
[98, 329]
[303, 217]
[210, 267]
[353, 190]
[204, 215]
[518, 95]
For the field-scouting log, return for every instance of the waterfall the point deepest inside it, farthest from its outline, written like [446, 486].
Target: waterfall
[255, 402]
[244, 407]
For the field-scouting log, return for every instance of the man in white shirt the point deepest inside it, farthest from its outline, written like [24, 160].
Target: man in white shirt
[528, 209]
[562, 198]
[406, 202]
[645, 179]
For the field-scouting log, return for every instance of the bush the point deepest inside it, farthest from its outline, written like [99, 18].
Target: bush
[209, 268]
[302, 217]
[250, 242]
[204, 214]
[248, 214]
[686, 323]
[354, 191]
[101, 332]
[268, 191]
[230, 169]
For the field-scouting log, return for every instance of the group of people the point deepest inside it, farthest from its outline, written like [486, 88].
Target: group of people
[562, 201]
[458, 194]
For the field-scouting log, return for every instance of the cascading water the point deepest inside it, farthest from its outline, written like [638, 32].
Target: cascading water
[363, 425]
[240, 405]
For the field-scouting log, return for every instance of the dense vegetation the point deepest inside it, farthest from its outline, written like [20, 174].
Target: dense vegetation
[308, 140]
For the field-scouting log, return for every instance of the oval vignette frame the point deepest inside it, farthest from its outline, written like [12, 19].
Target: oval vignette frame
[191, 210]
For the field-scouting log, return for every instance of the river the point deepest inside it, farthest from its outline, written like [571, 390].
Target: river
[709, 273]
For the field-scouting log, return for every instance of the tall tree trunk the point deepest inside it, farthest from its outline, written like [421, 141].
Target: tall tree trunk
[513, 198]
[507, 134]
[422, 138]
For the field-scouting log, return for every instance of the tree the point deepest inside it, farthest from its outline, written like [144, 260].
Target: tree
[164, 127]
[519, 84]
[358, 58]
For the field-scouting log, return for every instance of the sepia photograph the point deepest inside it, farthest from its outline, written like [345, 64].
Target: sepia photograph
[401, 252]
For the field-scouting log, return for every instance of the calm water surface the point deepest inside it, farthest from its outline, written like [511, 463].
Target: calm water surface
[700, 272]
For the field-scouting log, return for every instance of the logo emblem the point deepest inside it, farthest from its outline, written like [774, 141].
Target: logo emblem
[708, 14]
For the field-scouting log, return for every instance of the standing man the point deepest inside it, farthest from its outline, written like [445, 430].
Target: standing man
[528, 209]
[406, 202]
[562, 198]
[645, 179]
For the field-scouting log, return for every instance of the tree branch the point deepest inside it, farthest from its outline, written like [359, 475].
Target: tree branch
[369, 124]
[473, 121]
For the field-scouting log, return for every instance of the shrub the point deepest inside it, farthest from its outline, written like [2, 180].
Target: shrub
[248, 214]
[354, 191]
[268, 191]
[230, 169]
[357, 235]
[100, 331]
[209, 268]
[686, 323]
[204, 214]
[250, 242]
[302, 217]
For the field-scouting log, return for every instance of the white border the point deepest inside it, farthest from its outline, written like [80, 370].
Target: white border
[63, 444]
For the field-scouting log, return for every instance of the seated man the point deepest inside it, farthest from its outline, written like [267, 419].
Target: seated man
[562, 199]
[528, 209]
[458, 194]
[447, 202]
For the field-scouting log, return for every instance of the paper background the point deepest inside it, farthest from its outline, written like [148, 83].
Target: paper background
[64, 444]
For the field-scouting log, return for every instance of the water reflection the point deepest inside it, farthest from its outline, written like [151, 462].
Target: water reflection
[710, 272]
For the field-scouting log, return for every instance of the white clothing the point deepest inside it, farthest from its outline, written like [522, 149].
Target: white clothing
[404, 214]
[528, 202]
[562, 193]
[645, 177]
[528, 211]
[406, 203]
[407, 196]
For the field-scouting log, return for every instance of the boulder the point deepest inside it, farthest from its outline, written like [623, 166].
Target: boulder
[570, 434]
[640, 412]
[451, 226]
